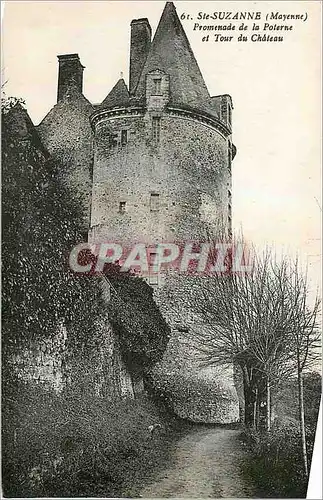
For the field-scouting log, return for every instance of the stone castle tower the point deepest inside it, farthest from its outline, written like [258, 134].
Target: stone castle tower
[162, 160]
[152, 162]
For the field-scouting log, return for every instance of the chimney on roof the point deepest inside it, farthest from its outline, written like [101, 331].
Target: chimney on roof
[70, 75]
[140, 43]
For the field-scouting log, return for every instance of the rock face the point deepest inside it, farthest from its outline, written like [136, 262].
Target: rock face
[153, 164]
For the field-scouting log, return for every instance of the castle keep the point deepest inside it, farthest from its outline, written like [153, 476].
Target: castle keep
[152, 162]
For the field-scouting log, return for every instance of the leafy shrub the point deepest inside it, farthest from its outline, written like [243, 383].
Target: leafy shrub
[276, 464]
[142, 331]
[41, 223]
[192, 396]
[67, 445]
[286, 399]
[70, 446]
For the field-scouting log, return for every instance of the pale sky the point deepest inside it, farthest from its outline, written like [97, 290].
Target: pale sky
[275, 87]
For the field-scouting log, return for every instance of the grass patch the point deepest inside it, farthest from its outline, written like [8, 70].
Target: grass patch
[275, 464]
[70, 445]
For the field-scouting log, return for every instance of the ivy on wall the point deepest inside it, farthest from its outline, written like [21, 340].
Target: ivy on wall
[142, 331]
[42, 222]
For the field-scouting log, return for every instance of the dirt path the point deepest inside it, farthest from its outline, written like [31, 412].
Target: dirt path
[206, 465]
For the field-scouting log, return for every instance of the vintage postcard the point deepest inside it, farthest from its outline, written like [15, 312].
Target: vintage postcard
[161, 249]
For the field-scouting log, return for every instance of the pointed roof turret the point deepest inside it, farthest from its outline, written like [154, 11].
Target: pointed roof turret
[171, 52]
[118, 96]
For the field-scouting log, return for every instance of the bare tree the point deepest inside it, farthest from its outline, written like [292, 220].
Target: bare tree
[270, 343]
[305, 339]
[250, 321]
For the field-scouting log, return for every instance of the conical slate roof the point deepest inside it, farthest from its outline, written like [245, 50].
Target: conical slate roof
[119, 95]
[171, 52]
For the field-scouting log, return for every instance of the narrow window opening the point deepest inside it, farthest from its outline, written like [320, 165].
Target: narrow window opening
[153, 280]
[154, 202]
[152, 275]
[156, 128]
[114, 139]
[229, 206]
[229, 114]
[122, 207]
[229, 156]
[224, 110]
[152, 258]
[124, 137]
[157, 86]
[183, 329]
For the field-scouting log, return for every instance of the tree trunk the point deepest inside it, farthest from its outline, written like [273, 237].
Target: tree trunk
[258, 412]
[255, 408]
[268, 405]
[302, 417]
[248, 398]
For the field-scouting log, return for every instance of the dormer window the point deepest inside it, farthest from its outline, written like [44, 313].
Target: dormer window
[157, 86]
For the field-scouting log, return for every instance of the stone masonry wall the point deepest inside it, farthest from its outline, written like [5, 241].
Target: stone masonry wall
[52, 364]
[188, 169]
[179, 300]
[67, 135]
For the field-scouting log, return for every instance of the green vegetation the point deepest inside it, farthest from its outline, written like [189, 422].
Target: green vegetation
[136, 319]
[276, 459]
[73, 443]
[40, 226]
